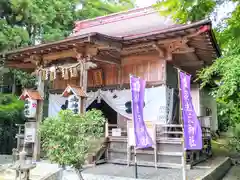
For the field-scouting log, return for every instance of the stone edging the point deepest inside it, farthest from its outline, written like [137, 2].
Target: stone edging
[219, 171]
[56, 175]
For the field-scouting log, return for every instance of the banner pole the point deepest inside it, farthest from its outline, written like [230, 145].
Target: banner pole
[184, 176]
[135, 151]
[135, 163]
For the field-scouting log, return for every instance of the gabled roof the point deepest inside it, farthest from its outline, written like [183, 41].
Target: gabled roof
[129, 33]
[73, 89]
[28, 93]
[125, 23]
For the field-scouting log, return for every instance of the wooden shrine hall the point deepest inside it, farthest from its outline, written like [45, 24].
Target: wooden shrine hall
[100, 55]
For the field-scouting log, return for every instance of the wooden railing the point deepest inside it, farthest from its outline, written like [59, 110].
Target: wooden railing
[167, 130]
[162, 130]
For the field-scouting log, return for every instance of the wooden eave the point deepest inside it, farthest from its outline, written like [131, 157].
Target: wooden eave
[33, 94]
[202, 47]
[78, 91]
[77, 43]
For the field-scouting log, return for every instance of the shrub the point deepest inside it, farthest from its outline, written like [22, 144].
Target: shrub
[11, 109]
[234, 139]
[66, 138]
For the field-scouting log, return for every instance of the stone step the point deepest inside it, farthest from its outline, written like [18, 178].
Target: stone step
[147, 157]
[170, 132]
[146, 163]
[167, 140]
[150, 152]
[166, 146]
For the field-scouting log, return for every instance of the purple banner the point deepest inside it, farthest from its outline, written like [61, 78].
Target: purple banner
[142, 138]
[192, 128]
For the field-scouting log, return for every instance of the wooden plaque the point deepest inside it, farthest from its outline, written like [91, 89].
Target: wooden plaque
[98, 77]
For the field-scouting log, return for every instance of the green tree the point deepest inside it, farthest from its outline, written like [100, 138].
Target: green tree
[183, 11]
[11, 109]
[68, 138]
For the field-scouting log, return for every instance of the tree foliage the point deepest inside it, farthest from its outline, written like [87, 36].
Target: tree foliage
[11, 109]
[183, 11]
[67, 138]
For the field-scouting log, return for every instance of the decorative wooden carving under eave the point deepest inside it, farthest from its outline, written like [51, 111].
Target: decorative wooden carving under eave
[98, 77]
[33, 94]
[177, 46]
[34, 59]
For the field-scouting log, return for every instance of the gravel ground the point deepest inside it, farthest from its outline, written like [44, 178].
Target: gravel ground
[233, 174]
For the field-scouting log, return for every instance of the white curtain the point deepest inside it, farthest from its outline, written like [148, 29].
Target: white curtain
[155, 102]
[91, 97]
[55, 103]
[154, 110]
[117, 103]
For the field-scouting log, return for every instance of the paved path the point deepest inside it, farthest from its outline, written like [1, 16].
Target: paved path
[120, 172]
[149, 172]
[233, 174]
[143, 172]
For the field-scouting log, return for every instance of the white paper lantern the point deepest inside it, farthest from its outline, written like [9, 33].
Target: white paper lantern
[74, 103]
[30, 108]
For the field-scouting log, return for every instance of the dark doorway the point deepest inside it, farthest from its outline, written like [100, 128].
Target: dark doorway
[108, 112]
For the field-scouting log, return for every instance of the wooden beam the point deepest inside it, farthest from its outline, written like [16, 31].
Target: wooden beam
[92, 51]
[191, 63]
[184, 51]
[159, 43]
[21, 65]
[133, 59]
[59, 55]
[160, 50]
[106, 42]
[149, 84]
[180, 39]
[107, 60]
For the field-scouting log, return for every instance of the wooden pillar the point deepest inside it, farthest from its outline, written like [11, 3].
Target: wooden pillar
[85, 88]
[39, 116]
[84, 85]
[119, 75]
